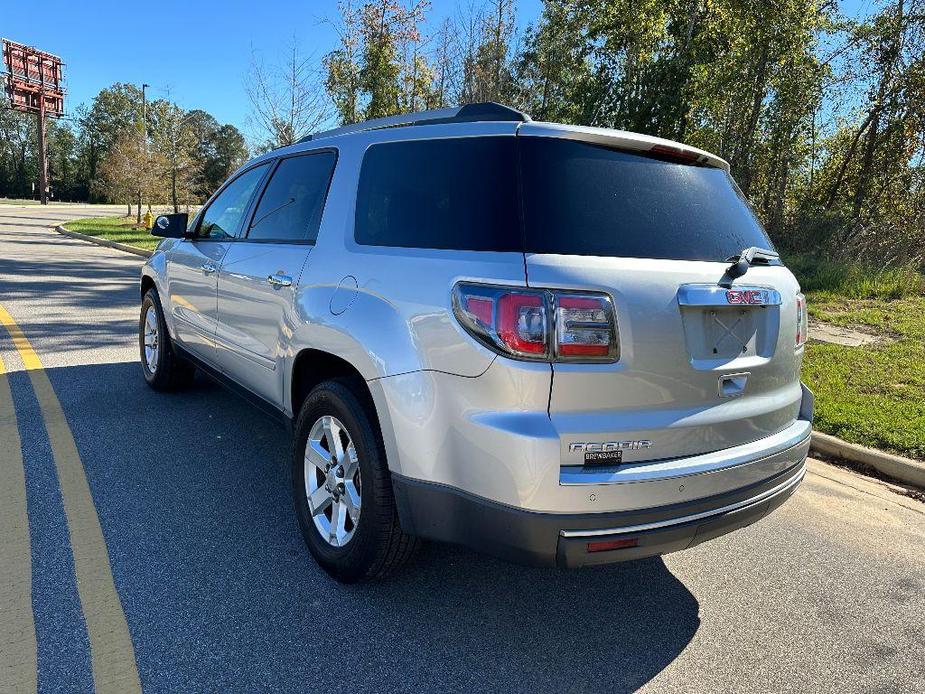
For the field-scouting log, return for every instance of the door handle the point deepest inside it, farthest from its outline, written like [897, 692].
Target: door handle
[207, 268]
[279, 280]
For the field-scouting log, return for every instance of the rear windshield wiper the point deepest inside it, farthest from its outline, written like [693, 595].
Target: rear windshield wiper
[743, 261]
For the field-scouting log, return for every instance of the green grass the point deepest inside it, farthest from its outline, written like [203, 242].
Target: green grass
[17, 201]
[28, 201]
[873, 395]
[856, 281]
[121, 229]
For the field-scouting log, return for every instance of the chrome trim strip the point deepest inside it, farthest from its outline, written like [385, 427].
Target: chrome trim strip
[796, 435]
[738, 506]
[713, 295]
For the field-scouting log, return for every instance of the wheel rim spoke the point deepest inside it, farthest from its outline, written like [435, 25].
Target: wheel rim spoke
[332, 431]
[351, 462]
[319, 500]
[337, 523]
[316, 455]
[351, 500]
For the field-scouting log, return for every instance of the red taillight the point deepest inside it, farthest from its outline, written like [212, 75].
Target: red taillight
[802, 321]
[522, 323]
[539, 324]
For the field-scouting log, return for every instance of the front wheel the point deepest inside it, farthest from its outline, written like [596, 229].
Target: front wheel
[341, 486]
[162, 368]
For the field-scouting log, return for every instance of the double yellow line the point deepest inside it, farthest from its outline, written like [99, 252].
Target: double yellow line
[111, 652]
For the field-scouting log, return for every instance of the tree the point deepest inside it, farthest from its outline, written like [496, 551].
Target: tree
[554, 68]
[128, 170]
[487, 69]
[218, 150]
[174, 141]
[17, 153]
[381, 67]
[342, 67]
[287, 99]
[445, 67]
[63, 161]
[112, 111]
[228, 152]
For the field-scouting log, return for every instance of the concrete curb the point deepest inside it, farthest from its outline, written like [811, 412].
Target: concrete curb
[903, 469]
[104, 242]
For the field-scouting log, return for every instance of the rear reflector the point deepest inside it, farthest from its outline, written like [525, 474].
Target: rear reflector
[482, 309]
[607, 545]
[802, 321]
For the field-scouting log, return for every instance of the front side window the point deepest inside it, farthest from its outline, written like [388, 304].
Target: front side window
[291, 206]
[455, 194]
[223, 217]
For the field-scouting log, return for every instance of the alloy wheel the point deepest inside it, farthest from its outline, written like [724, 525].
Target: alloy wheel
[151, 339]
[332, 481]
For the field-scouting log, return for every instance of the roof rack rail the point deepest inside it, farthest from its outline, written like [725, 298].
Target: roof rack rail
[487, 111]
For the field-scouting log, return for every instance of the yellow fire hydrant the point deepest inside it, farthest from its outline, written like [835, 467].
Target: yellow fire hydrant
[149, 219]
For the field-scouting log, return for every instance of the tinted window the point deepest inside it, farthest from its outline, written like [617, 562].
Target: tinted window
[290, 208]
[222, 218]
[585, 199]
[457, 194]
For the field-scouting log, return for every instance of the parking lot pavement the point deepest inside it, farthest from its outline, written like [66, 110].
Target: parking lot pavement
[178, 565]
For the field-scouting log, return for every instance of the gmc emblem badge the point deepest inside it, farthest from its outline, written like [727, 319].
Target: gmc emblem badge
[753, 297]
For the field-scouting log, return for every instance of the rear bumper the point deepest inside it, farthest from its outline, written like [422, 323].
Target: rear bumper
[447, 514]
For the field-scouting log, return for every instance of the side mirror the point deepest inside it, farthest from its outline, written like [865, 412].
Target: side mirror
[171, 226]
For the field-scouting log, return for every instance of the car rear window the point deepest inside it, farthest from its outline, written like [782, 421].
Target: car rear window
[451, 194]
[585, 199]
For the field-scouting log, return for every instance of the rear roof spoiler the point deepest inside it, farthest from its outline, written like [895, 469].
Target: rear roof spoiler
[621, 139]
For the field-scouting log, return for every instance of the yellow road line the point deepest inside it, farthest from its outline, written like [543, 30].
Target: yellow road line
[111, 652]
[18, 650]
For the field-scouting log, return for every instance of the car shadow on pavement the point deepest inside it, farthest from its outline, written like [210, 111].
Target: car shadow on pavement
[192, 490]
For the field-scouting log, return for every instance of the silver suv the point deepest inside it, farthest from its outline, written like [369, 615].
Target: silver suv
[555, 344]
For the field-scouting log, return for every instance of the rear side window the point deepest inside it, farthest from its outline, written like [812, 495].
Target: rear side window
[584, 199]
[291, 206]
[452, 194]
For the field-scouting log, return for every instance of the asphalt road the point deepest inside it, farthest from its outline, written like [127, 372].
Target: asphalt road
[180, 562]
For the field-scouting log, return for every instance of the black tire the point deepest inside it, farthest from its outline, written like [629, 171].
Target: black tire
[378, 545]
[171, 372]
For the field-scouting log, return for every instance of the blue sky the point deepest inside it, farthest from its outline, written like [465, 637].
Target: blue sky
[196, 52]
[198, 59]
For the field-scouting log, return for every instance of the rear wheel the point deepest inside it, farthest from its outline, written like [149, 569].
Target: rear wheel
[162, 368]
[341, 487]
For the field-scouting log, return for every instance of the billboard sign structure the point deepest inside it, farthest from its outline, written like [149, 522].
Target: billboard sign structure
[34, 84]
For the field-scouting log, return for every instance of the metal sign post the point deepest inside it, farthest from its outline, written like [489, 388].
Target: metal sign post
[35, 84]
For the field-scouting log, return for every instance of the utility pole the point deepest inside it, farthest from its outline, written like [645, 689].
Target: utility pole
[43, 150]
[144, 134]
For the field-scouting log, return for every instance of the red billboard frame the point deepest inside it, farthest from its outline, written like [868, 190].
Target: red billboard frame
[34, 79]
